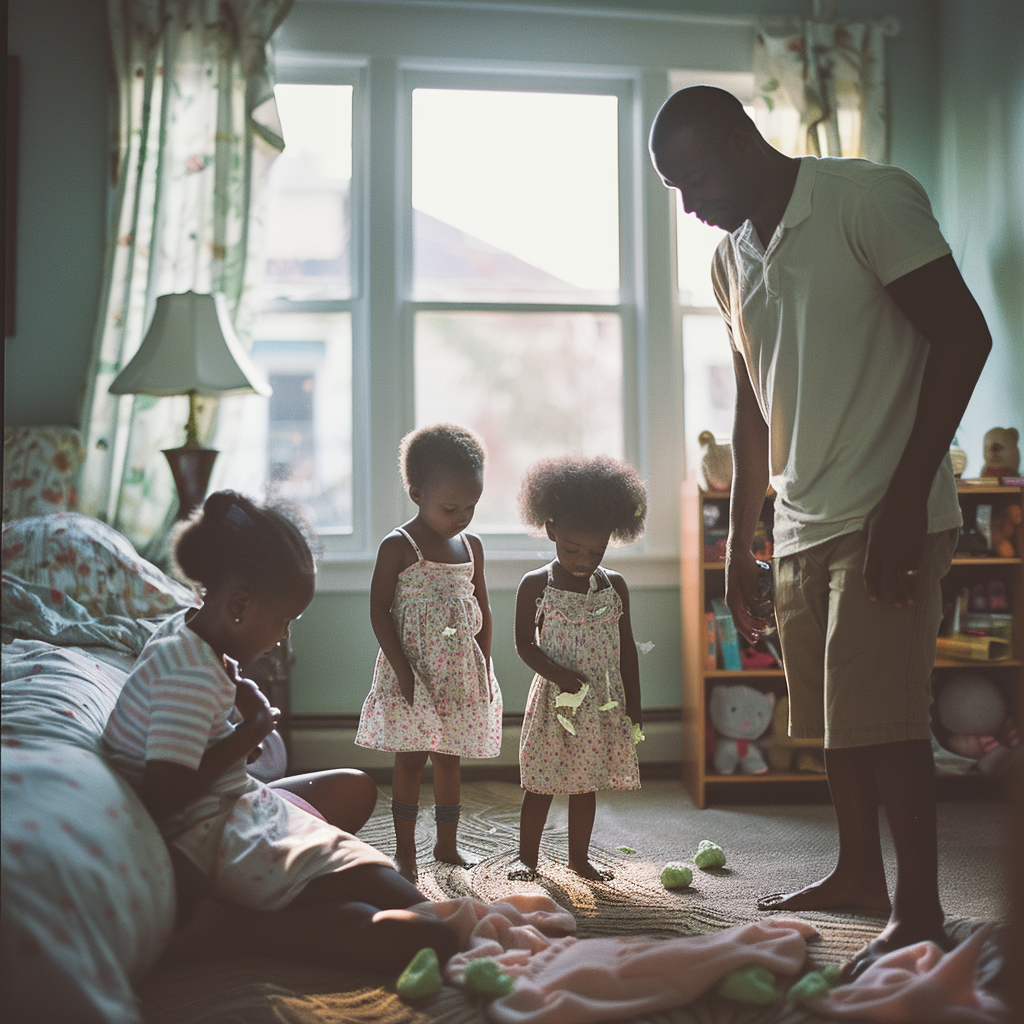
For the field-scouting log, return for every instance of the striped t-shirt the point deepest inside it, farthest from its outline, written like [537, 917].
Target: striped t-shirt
[176, 702]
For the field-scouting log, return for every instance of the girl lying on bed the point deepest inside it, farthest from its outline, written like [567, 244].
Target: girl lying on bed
[181, 733]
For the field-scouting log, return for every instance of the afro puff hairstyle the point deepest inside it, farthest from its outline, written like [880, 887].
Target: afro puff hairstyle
[599, 493]
[442, 448]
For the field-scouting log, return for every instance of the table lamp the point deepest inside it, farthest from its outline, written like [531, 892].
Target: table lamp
[190, 349]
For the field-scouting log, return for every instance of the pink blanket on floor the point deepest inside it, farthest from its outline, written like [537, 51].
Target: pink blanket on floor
[561, 979]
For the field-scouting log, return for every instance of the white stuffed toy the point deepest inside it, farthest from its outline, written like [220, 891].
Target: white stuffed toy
[975, 713]
[740, 714]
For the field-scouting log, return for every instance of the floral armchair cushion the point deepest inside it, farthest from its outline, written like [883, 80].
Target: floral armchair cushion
[41, 466]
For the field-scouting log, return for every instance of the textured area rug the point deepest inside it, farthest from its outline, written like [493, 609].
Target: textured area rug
[255, 991]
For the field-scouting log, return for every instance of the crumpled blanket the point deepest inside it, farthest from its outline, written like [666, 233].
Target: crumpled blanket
[561, 979]
[919, 983]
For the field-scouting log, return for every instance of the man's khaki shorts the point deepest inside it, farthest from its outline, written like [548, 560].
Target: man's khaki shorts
[858, 671]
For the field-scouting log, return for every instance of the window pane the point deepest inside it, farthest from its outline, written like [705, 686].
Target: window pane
[709, 381]
[515, 196]
[531, 384]
[307, 219]
[695, 247]
[297, 444]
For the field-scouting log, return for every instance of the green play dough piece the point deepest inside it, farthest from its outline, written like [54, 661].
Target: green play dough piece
[749, 985]
[626, 849]
[833, 974]
[421, 978]
[709, 855]
[810, 986]
[676, 875]
[487, 978]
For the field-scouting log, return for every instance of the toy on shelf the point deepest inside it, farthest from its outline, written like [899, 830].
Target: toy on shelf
[715, 462]
[958, 458]
[974, 713]
[1002, 456]
[784, 753]
[740, 715]
[1005, 523]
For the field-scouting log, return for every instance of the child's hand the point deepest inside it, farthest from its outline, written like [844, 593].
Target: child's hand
[253, 706]
[635, 714]
[407, 684]
[570, 682]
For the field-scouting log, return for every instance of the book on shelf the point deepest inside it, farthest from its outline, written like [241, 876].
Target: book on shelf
[965, 647]
[710, 643]
[728, 638]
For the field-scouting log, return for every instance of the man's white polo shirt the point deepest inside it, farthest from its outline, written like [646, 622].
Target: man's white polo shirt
[834, 363]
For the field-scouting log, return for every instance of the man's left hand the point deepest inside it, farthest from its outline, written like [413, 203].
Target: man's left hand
[894, 531]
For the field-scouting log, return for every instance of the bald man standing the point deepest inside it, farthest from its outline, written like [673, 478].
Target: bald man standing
[856, 346]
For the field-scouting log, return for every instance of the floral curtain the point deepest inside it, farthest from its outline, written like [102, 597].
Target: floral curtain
[197, 130]
[820, 86]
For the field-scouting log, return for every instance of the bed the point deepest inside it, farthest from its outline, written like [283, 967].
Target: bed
[88, 899]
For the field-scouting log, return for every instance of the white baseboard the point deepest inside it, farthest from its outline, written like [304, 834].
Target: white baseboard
[314, 749]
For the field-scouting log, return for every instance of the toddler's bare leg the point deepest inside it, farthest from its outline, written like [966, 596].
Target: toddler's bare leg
[531, 824]
[346, 797]
[582, 807]
[447, 790]
[405, 789]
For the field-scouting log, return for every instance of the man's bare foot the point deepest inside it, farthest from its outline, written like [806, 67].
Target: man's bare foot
[894, 936]
[406, 866]
[833, 893]
[453, 855]
[587, 870]
[520, 871]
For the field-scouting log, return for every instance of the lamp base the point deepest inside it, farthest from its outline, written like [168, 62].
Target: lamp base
[191, 468]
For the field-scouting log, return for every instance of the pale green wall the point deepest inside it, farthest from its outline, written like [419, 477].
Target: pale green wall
[62, 196]
[980, 197]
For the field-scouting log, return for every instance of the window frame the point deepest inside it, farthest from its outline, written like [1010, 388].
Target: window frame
[387, 45]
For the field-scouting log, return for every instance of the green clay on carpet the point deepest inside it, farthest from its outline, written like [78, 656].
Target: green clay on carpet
[749, 985]
[487, 978]
[709, 855]
[816, 984]
[676, 875]
[833, 974]
[421, 978]
[626, 849]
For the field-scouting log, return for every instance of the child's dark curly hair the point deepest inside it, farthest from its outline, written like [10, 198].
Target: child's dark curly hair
[441, 448]
[234, 539]
[599, 493]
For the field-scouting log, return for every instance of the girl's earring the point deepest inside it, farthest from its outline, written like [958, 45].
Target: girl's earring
[238, 618]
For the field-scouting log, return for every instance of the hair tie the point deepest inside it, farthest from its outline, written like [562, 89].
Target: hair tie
[236, 518]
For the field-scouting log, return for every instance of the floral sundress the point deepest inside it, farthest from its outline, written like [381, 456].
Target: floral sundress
[570, 750]
[456, 702]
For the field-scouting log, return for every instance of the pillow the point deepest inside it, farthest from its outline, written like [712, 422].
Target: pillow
[41, 466]
[92, 563]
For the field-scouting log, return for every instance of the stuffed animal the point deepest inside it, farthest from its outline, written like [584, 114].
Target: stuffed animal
[739, 714]
[974, 711]
[1005, 524]
[784, 752]
[1002, 456]
[715, 462]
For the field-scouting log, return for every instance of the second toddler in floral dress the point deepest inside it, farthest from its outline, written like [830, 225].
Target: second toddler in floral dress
[434, 693]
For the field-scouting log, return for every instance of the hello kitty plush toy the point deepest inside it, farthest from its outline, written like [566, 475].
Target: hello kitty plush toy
[740, 714]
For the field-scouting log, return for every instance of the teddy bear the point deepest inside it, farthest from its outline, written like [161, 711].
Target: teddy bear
[739, 714]
[1002, 456]
[974, 712]
[715, 462]
[782, 750]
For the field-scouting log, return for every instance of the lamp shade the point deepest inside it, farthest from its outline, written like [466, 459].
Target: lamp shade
[190, 348]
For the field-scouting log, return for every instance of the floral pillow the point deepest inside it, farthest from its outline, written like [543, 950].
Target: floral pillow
[90, 562]
[41, 466]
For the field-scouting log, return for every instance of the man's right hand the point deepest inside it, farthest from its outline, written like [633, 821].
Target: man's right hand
[741, 594]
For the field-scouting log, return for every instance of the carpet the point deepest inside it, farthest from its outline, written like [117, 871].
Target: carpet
[251, 991]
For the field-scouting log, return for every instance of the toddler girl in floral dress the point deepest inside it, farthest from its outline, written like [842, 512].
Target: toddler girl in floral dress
[434, 693]
[573, 629]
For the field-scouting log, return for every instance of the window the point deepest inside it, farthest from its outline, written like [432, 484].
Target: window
[515, 283]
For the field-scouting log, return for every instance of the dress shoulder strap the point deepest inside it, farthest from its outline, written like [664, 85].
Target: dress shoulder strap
[469, 551]
[415, 546]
